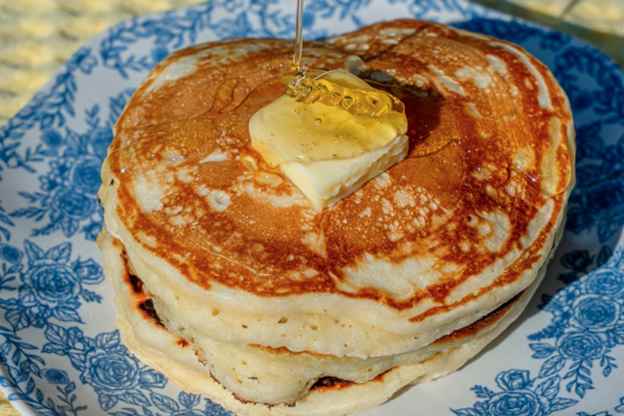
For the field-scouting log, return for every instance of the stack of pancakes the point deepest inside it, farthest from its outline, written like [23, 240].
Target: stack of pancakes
[227, 279]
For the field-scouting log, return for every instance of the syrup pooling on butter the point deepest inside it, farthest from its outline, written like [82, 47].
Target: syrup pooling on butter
[346, 119]
[343, 93]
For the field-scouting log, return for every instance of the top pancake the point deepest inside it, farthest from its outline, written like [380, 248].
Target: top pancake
[456, 229]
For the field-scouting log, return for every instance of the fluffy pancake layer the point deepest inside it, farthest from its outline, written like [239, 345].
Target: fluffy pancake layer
[332, 392]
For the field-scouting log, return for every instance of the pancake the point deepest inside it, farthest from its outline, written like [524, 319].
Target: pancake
[439, 240]
[144, 333]
[247, 293]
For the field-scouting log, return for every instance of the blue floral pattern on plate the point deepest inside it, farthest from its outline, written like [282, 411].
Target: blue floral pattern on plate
[59, 353]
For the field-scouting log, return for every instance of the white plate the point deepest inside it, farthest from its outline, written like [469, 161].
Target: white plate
[59, 350]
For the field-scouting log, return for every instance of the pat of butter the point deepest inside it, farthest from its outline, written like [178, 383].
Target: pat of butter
[324, 182]
[330, 149]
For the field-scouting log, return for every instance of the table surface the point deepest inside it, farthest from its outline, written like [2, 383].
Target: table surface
[37, 36]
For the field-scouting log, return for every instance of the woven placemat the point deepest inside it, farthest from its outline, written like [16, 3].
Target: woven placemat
[37, 36]
[601, 15]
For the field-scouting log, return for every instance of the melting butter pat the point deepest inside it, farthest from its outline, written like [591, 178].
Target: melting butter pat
[331, 135]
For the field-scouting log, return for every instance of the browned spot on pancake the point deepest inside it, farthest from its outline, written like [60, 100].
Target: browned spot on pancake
[257, 246]
[333, 383]
[330, 383]
[141, 299]
[182, 343]
[135, 283]
[147, 306]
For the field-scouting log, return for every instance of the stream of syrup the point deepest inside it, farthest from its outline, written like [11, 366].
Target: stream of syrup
[298, 49]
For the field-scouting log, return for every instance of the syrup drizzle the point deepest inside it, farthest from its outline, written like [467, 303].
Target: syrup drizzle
[298, 49]
[374, 103]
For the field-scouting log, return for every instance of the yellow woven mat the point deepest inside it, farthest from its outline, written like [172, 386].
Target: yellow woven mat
[37, 36]
[601, 15]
